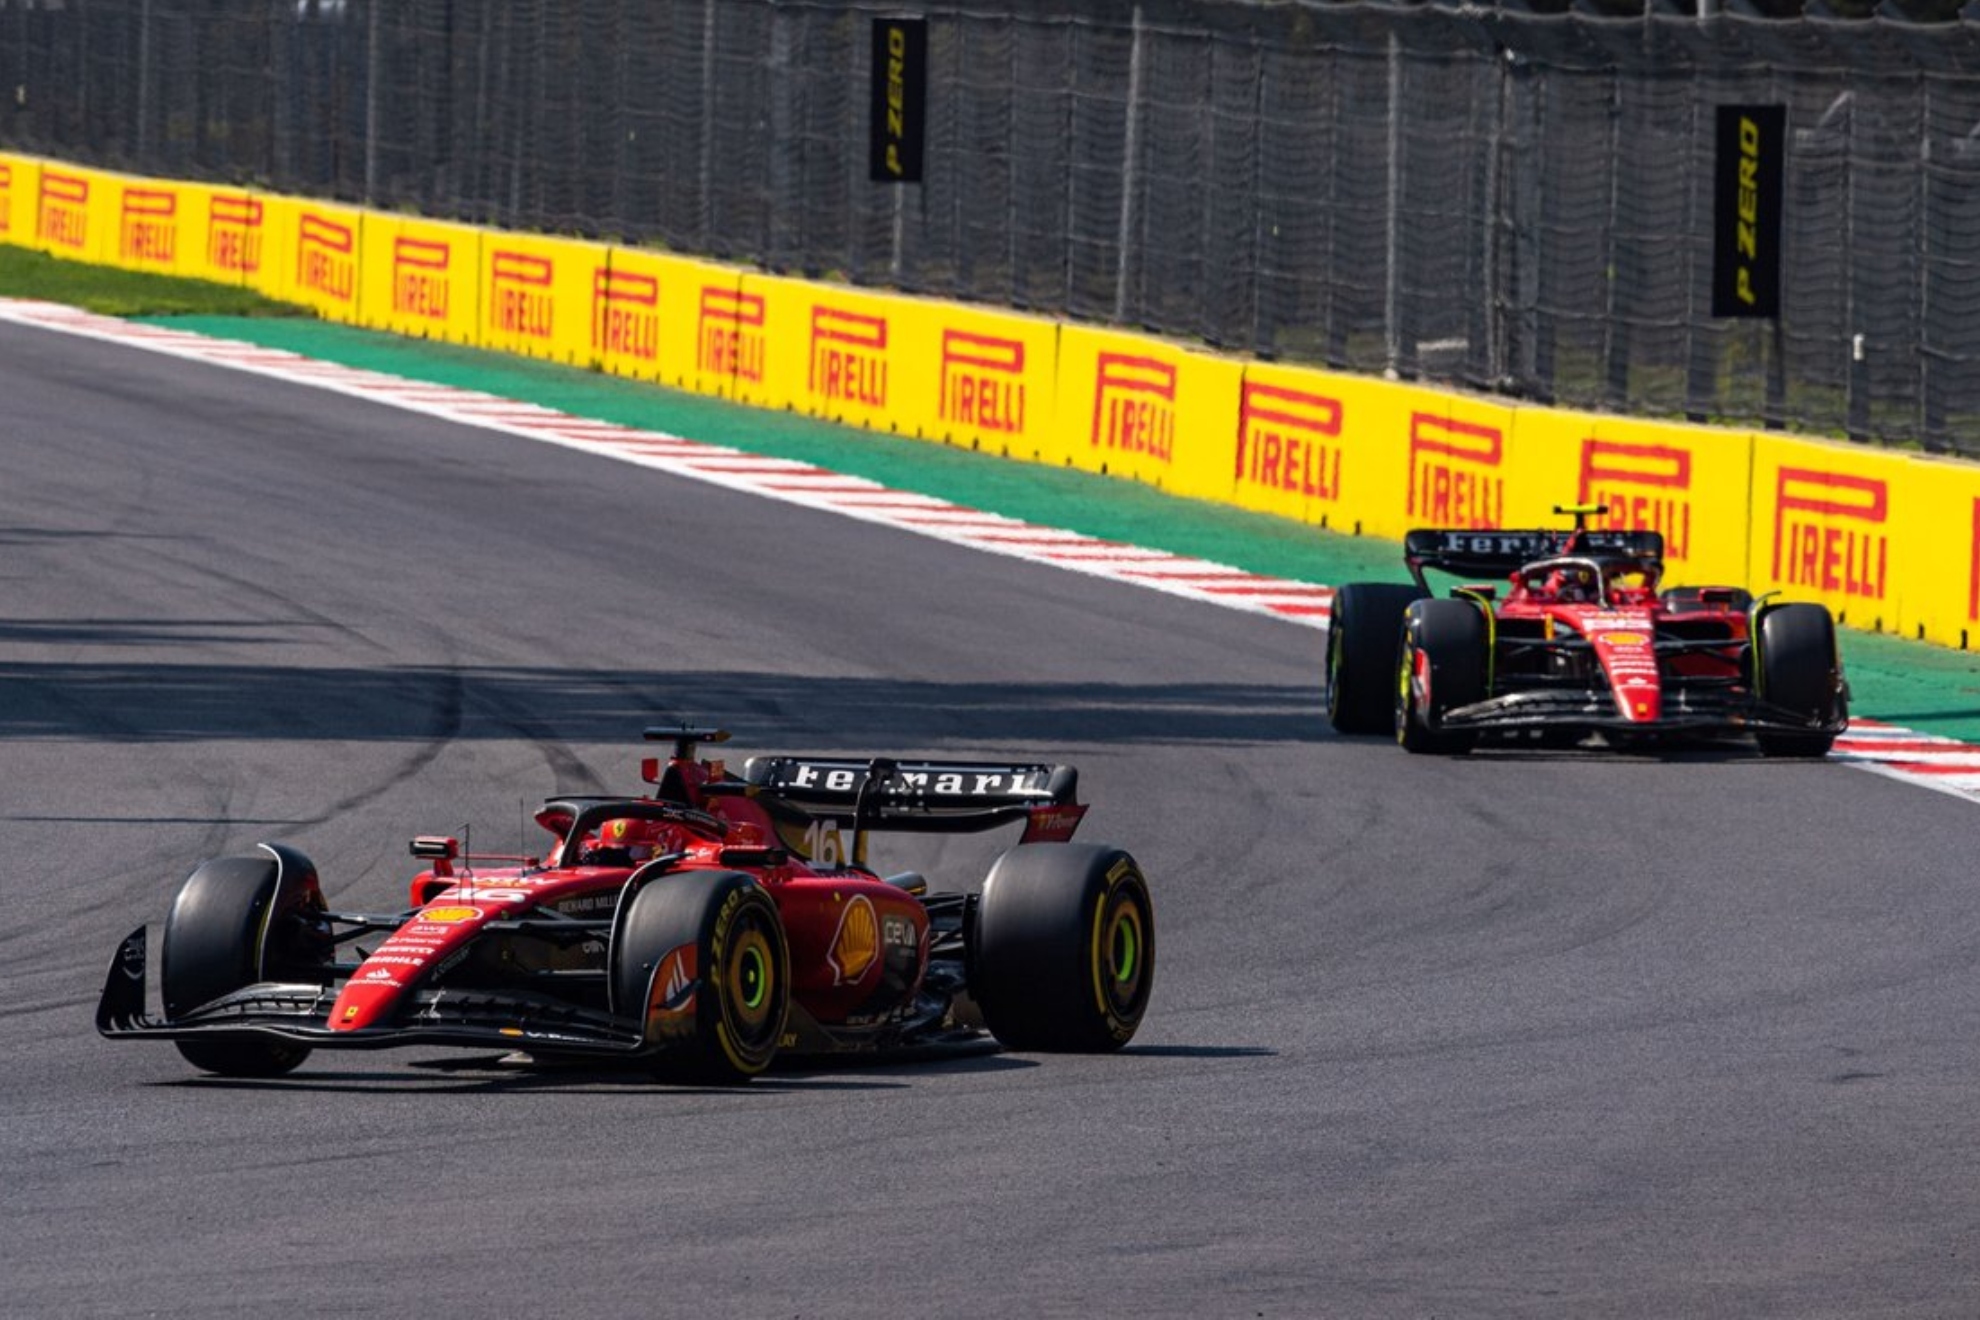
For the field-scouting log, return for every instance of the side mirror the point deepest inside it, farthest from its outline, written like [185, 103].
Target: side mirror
[435, 848]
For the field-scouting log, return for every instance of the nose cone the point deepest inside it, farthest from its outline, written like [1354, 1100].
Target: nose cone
[373, 994]
[1630, 660]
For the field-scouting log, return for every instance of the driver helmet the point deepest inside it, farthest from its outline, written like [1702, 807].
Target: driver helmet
[1630, 587]
[624, 842]
[1572, 582]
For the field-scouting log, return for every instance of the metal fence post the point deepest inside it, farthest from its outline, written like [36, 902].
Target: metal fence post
[1130, 170]
[371, 84]
[1392, 276]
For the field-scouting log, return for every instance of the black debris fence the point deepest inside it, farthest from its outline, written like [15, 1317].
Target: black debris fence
[1513, 201]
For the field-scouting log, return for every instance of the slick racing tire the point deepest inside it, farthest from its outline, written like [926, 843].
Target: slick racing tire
[1062, 956]
[1794, 649]
[700, 961]
[236, 921]
[1362, 630]
[1442, 667]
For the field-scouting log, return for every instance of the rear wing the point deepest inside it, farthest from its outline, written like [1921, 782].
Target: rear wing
[1490, 555]
[921, 797]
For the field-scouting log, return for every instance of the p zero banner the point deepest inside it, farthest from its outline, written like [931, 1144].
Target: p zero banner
[1748, 166]
[900, 99]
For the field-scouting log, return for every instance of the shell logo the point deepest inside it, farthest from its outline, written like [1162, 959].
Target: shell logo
[857, 942]
[450, 914]
[1623, 639]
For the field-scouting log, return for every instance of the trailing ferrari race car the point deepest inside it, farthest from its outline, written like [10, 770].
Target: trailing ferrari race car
[701, 931]
[1585, 639]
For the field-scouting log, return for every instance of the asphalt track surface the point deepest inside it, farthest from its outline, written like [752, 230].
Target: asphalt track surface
[1520, 1034]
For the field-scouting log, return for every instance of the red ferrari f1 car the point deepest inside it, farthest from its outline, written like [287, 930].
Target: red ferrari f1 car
[701, 931]
[1586, 639]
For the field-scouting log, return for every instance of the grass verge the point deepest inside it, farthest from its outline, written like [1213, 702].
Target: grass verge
[25, 273]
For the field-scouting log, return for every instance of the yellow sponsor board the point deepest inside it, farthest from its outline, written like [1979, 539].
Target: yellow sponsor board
[1689, 483]
[909, 366]
[421, 278]
[536, 297]
[70, 215]
[1824, 527]
[1457, 461]
[645, 308]
[1317, 446]
[1936, 551]
[20, 179]
[154, 226]
[1888, 541]
[1136, 407]
[994, 376]
[312, 255]
[838, 354]
[1207, 398]
[232, 235]
[731, 337]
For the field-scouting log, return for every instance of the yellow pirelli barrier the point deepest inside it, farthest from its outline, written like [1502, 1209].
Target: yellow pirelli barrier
[994, 379]
[1889, 541]
[1690, 483]
[1940, 600]
[421, 279]
[1136, 407]
[233, 236]
[839, 354]
[20, 180]
[536, 296]
[152, 226]
[769, 332]
[645, 317]
[1459, 457]
[69, 213]
[731, 338]
[313, 256]
[1826, 526]
[1293, 455]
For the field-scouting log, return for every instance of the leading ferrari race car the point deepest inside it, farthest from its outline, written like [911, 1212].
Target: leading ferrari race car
[701, 932]
[1586, 640]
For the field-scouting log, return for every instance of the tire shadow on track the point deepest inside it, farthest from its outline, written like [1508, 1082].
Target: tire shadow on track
[493, 1076]
[192, 703]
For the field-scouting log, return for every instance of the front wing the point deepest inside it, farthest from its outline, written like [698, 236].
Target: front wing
[300, 1012]
[509, 1019]
[1698, 711]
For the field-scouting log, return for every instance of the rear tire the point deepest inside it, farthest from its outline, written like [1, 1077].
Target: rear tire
[1362, 633]
[236, 921]
[1063, 953]
[1442, 667]
[699, 959]
[1798, 669]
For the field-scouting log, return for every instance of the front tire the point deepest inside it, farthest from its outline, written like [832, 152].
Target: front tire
[1063, 953]
[1442, 667]
[236, 921]
[1362, 630]
[699, 958]
[1799, 670]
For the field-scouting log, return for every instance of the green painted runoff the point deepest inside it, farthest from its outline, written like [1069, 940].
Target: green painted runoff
[1925, 687]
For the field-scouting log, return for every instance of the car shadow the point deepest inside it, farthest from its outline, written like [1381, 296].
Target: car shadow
[150, 703]
[486, 1075]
